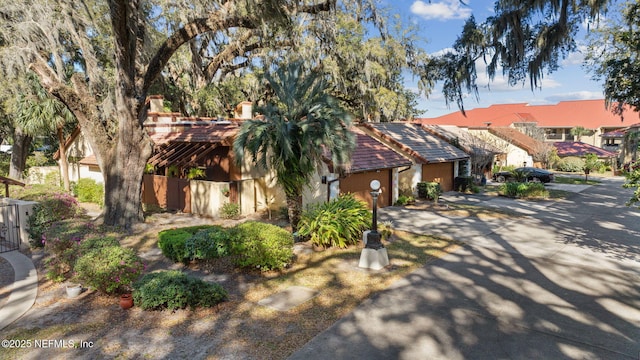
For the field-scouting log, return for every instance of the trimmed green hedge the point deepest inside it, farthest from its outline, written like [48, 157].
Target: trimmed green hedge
[172, 242]
[251, 244]
[175, 290]
[262, 246]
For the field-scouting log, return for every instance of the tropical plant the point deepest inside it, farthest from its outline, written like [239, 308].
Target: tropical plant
[196, 173]
[301, 125]
[632, 181]
[579, 132]
[339, 222]
[591, 163]
[40, 113]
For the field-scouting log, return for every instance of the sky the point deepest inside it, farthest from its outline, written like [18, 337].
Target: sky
[440, 22]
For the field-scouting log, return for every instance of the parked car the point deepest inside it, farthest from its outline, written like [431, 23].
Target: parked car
[532, 174]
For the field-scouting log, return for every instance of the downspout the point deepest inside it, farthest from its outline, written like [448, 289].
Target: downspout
[329, 187]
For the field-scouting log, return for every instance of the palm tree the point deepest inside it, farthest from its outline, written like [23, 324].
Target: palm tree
[40, 113]
[301, 124]
[579, 132]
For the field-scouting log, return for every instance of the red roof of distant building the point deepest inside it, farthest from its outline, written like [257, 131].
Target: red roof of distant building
[576, 148]
[590, 114]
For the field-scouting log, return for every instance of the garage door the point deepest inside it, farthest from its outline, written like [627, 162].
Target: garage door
[441, 173]
[358, 184]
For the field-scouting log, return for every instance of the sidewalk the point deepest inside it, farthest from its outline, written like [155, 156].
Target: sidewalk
[24, 289]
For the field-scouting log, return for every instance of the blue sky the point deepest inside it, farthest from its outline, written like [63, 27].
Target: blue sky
[440, 23]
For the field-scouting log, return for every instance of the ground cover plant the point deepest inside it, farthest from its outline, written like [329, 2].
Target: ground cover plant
[524, 190]
[174, 290]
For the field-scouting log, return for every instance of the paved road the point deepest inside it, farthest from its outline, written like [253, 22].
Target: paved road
[561, 282]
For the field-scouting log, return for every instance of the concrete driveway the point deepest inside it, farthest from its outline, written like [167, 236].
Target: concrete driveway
[560, 282]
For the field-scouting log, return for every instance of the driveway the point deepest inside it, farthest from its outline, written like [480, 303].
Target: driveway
[562, 281]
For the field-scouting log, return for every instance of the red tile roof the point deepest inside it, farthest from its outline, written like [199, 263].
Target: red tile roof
[590, 114]
[371, 154]
[576, 148]
[517, 138]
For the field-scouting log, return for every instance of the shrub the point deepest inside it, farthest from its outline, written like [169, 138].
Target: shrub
[230, 211]
[175, 290]
[48, 211]
[404, 200]
[66, 240]
[463, 183]
[429, 190]
[260, 245]
[109, 269]
[172, 242]
[339, 222]
[210, 243]
[524, 190]
[570, 164]
[88, 190]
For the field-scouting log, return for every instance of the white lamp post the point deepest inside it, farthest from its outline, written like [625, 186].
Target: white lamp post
[374, 255]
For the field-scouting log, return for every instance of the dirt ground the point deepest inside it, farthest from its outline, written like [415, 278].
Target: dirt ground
[94, 326]
[75, 327]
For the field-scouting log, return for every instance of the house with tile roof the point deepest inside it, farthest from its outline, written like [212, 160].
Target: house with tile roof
[580, 149]
[433, 159]
[556, 120]
[482, 151]
[182, 144]
[371, 160]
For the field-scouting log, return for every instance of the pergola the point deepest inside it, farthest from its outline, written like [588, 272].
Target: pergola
[9, 181]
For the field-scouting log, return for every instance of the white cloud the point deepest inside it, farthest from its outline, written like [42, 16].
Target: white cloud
[576, 95]
[443, 10]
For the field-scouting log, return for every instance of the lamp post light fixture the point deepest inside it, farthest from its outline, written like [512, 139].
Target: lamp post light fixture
[373, 238]
[374, 255]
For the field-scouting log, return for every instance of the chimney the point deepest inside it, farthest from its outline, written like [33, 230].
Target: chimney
[243, 110]
[156, 103]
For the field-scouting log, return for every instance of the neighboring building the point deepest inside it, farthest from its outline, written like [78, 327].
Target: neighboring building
[580, 149]
[434, 159]
[556, 120]
[482, 151]
[370, 160]
[518, 149]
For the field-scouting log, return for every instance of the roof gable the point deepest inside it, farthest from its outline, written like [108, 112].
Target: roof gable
[517, 138]
[577, 148]
[417, 142]
[371, 154]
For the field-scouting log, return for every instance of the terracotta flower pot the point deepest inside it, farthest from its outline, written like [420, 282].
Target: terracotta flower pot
[126, 301]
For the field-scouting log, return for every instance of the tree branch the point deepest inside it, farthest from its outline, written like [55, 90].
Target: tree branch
[216, 21]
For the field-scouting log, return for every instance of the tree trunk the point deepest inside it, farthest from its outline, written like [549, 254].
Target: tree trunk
[19, 153]
[294, 207]
[64, 165]
[123, 170]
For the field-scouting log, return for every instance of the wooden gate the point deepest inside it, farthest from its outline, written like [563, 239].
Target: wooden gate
[167, 192]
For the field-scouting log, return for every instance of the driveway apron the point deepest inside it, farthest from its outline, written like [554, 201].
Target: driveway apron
[560, 282]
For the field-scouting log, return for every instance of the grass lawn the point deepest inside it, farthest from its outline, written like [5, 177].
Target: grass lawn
[575, 180]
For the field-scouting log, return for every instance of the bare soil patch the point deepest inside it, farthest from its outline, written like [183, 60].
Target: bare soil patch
[236, 329]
